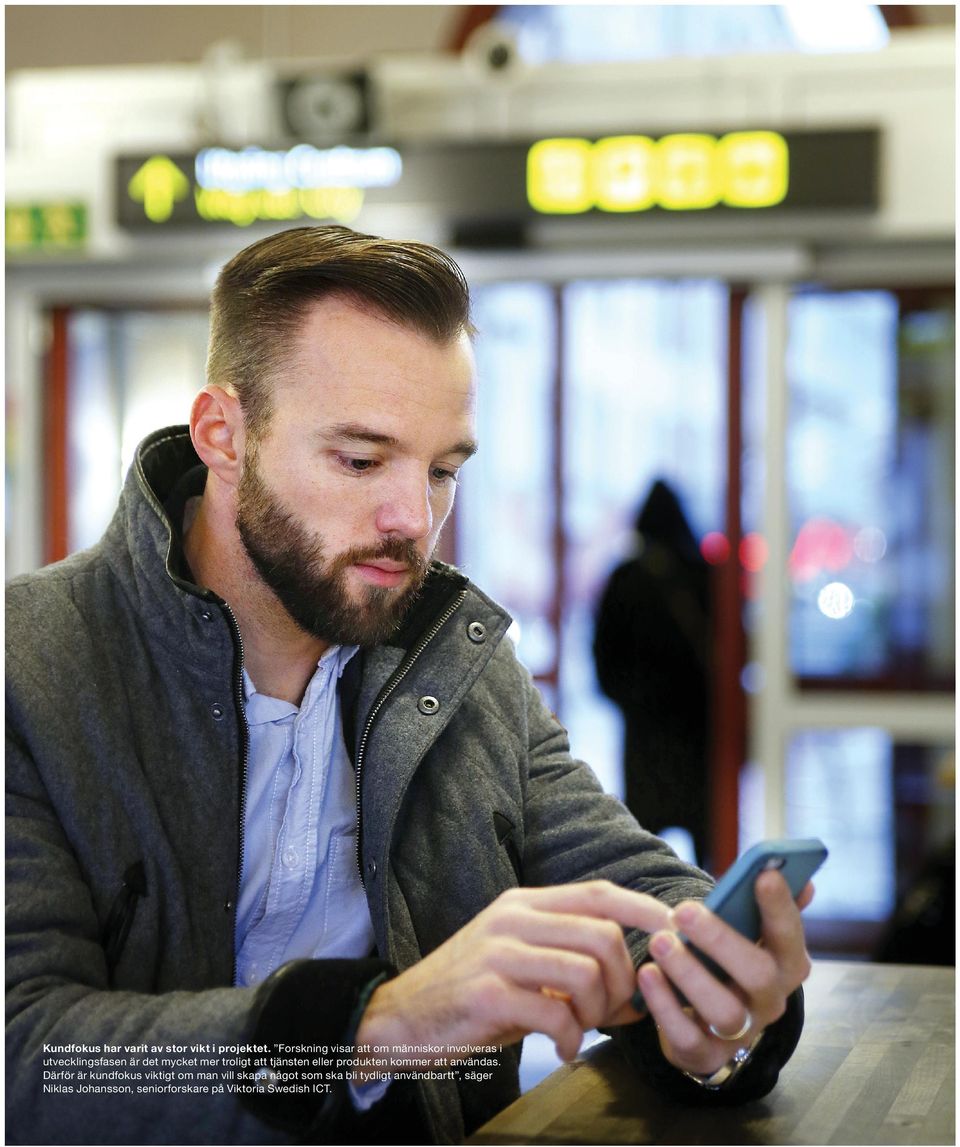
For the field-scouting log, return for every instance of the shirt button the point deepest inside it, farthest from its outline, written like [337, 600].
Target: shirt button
[428, 705]
[290, 858]
[251, 976]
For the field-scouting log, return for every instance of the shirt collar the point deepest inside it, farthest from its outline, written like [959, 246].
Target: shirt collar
[261, 707]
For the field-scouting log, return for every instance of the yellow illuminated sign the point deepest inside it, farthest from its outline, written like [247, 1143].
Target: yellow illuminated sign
[242, 208]
[755, 168]
[54, 226]
[680, 172]
[624, 170]
[255, 185]
[689, 174]
[558, 176]
[158, 185]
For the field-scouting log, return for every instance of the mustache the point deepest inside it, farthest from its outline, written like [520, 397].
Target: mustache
[392, 550]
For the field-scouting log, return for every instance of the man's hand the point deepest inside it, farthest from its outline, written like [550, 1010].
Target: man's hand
[761, 976]
[549, 960]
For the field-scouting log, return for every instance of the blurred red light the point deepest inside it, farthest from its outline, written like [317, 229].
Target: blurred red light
[715, 548]
[754, 552]
[838, 548]
[821, 544]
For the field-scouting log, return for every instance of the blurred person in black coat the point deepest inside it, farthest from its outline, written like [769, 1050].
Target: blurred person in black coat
[652, 645]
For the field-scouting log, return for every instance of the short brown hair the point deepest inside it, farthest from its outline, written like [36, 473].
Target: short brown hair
[262, 295]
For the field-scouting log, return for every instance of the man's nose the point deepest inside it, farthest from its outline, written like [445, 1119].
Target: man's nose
[406, 510]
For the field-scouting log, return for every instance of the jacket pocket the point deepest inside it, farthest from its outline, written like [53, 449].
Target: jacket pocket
[507, 839]
[120, 917]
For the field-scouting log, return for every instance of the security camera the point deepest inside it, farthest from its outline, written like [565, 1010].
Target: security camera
[325, 108]
[492, 50]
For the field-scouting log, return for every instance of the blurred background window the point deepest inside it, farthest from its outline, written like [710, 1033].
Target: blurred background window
[644, 399]
[886, 809]
[870, 474]
[505, 520]
[581, 33]
[589, 393]
[130, 373]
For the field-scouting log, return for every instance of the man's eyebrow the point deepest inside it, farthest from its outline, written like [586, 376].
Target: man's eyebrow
[467, 448]
[356, 432]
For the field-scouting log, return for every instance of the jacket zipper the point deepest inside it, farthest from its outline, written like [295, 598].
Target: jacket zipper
[398, 675]
[244, 763]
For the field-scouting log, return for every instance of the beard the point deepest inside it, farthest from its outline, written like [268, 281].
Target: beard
[312, 588]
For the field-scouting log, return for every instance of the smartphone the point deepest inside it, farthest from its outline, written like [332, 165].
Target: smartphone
[732, 898]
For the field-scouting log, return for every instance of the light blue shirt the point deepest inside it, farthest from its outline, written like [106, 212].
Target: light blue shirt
[300, 890]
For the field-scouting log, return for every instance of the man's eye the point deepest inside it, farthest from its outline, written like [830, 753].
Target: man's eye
[439, 474]
[357, 465]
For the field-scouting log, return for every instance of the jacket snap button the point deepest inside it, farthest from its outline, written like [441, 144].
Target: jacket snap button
[372, 869]
[207, 615]
[477, 632]
[217, 710]
[265, 1079]
[428, 705]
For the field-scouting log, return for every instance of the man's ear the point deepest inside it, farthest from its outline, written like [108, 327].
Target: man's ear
[217, 431]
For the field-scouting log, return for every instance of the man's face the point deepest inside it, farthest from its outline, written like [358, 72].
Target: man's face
[342, 500]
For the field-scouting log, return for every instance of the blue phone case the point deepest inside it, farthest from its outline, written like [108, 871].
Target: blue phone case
[733, 900]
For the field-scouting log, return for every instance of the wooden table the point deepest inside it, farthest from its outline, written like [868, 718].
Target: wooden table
[875, 1064]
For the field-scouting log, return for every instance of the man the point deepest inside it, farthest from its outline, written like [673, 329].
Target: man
[278, 786]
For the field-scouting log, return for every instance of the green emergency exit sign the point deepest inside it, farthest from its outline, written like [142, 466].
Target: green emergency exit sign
[57, 225]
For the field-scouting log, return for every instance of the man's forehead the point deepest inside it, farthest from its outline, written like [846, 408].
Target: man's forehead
[335, 319]
[354, 345]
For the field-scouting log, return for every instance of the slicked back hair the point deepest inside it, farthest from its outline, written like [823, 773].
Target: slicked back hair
[263, 293]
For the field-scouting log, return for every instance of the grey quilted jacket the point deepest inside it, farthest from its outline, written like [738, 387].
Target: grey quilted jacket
[125, 772]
